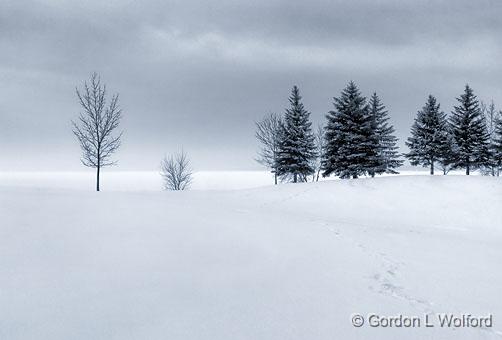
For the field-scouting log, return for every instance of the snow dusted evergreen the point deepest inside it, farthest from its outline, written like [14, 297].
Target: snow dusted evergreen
[297, 142]
[358, 139]
[351, 142]
[388, 156]
[429, 140]
[470, 133]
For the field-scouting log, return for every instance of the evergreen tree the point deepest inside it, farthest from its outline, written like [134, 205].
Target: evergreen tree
[388, 156]
[297, 142]
[429, 136]
[470, 133]
[351, 142]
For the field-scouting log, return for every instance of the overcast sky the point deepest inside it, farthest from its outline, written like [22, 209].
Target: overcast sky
[198, 74]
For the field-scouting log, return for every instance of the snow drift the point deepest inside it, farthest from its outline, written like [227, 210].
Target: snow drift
[284, 262]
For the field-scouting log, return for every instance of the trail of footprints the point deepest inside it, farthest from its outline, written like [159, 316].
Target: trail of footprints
[385, 280]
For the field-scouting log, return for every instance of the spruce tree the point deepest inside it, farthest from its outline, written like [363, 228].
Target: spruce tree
[388, 156]
[429, 136]
[351, 142]
[297, 142]
[469, 133]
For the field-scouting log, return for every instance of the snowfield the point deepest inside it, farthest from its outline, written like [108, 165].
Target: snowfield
[276, 262]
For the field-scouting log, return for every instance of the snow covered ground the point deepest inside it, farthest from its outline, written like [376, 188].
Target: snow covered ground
[283, 262]
[150, 180]
[134, 180]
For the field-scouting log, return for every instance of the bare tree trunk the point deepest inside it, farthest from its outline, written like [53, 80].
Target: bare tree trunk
[275, 178]
[295, 178]
[318, 172]
[98, 169]
[432, 167]
[97, 178]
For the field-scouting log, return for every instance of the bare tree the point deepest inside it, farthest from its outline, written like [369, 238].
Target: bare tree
[268, 134]
[320, 143]
[176, 171]
[491, 117]
[96, 124]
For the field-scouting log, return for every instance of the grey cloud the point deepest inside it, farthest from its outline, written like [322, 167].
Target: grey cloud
[199, 73]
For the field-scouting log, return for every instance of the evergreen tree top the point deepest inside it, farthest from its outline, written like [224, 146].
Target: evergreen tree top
[431, 101]
[377, 109]
[296, 108]
[375, 101]
[468, 103]
[350, 103]
[432, 106]
[295, 98]
[350, 94]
